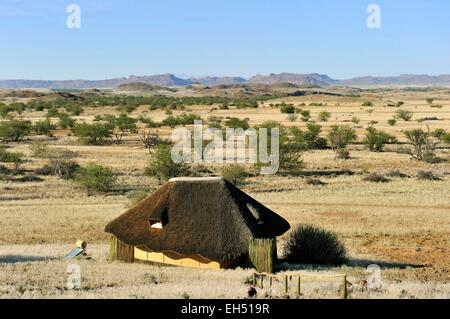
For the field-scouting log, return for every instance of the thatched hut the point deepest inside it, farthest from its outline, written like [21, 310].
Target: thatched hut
[197, 222]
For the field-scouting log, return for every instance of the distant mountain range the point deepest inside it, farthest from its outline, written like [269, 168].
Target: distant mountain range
[300, 79]
[170, 80]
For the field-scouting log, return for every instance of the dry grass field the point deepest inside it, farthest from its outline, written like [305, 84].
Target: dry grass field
[402, 225]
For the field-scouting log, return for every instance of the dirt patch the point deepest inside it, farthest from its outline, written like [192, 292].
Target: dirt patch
[430, 253]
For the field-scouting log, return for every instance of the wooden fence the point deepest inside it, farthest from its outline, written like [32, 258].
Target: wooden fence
[298, 279]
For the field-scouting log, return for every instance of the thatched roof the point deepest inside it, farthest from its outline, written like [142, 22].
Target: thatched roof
[205, 216]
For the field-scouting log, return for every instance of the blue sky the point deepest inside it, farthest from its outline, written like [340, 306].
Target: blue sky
[222, 37]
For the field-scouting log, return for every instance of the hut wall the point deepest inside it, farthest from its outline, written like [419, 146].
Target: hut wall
[118, 250]
[179, 260]
[263, 254]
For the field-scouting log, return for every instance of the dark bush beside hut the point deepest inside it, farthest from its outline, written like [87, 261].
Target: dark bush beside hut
[307, 244]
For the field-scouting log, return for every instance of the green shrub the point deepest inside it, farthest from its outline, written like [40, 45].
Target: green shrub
[307, 244]
[392, 121]
[16, 158]
[291, 147]
[405, 115]
[235, 122]
[375, 140]
[14, 130]
[235, 174]
[13, 107]
[120, 126]
[162, 167]
[44, 127]
[65, 121]
[95, 133]
[340, 137]
[182, 119]
[306, 115]
[287, 109]
[424, 143]
[355, 120]
[95, 177]
[74, 109]
[367, 103]
[324, 116]
[312, 137]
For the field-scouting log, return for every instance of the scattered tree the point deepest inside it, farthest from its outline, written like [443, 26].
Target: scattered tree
[151, 140]
[287, 109]
[392, 121]
[44, 127]
[424, 144]
[375, 140]
[65, 121]
[340, 137]
[95, 177]
[235, 123]
[324, 116]
[95, 133]
[14, 130]
[162, 167]
[405, 115]
[16, 158]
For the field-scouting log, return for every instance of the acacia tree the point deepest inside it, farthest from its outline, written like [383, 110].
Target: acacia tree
[95, 133]
[291, 146]
[150, 139]
[120, 126]
[340, 136]
[14, 130]
[424, 143]
[16, 158]
[375, 139]
[162, 167]
[44, 127]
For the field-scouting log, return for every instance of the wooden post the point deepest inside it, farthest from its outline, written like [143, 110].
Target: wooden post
[286, 284]
[118, 250]
[344, 288]
[262, 281]
[298, 285]
[254, 279]
[262, 254]
[270, 281]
